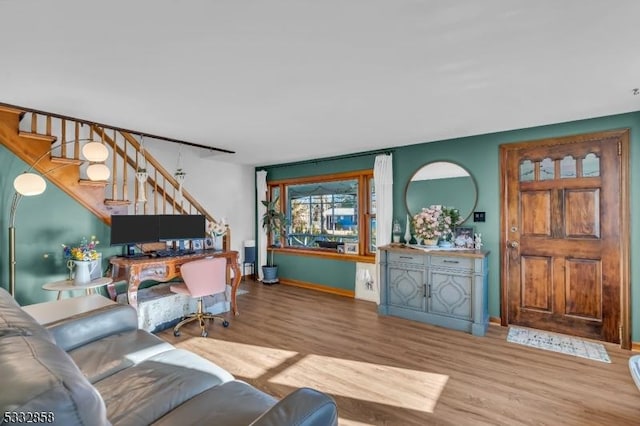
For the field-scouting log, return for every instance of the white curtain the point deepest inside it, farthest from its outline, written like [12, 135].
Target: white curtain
[261, 191]
[383, 180]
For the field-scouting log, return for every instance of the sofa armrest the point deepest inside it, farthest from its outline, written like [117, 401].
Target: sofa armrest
[303, 407]
[78, 330]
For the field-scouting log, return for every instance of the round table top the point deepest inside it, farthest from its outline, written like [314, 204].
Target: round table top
[65, 285]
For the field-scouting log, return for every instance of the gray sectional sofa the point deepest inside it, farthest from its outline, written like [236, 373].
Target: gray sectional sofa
[98, 368]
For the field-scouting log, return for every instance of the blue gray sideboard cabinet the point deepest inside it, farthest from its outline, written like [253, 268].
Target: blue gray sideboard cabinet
[443, 287]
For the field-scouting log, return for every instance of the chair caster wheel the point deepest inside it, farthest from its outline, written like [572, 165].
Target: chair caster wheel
[204, 334]
[176, 333]
[225, 323]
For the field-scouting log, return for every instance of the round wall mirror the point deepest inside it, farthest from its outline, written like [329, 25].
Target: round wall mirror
[444, 183]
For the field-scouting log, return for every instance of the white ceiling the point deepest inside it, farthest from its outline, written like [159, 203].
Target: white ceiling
[287, 80]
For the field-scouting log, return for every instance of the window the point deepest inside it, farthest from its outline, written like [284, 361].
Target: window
[324, 212]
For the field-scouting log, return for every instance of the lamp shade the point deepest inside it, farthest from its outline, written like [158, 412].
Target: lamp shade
[95, 152]
[98, 172]
[28, 184]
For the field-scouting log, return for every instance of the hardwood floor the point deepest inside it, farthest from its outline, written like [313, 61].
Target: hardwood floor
[391, 371]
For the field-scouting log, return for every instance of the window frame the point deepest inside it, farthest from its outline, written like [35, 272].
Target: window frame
[364, 178]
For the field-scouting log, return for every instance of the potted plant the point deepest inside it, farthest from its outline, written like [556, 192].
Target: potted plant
[274, 222]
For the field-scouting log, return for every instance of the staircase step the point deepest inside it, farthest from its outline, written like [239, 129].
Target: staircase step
[88, 182]
[63, 160]
[37, 136]
[111, 202]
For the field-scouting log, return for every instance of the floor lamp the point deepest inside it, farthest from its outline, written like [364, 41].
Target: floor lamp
[30, 184]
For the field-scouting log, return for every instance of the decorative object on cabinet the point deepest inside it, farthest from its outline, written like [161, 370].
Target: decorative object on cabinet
[407, 230]
[463, 237]
[445, 288]
[477, 241]
[442, 183]
[397, 231]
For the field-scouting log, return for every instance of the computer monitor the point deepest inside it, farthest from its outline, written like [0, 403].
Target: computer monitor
[181, 227]
[133, 229]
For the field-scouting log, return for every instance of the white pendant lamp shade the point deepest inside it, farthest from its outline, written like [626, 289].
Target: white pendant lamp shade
[98, 172]
[95, 152]
[28, 184]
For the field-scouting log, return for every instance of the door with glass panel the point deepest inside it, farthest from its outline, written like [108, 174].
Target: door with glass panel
[563, 236]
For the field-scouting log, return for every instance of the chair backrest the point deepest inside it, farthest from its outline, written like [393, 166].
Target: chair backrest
[204, 277]
[249, 255]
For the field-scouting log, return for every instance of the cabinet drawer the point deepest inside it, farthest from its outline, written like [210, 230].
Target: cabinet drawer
[411, 259]
[452, 262]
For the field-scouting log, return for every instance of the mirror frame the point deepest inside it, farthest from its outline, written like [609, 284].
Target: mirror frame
[473, 181]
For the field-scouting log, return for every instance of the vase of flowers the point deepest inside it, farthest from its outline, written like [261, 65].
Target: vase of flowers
[449, 219]
[217, 229]
[84, 259]
[435, 224]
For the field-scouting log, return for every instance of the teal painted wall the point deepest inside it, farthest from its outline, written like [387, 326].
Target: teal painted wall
[43, 224]
[479, 155]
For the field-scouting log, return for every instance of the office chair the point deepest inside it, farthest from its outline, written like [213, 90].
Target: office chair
[249, 258]
[203, 277]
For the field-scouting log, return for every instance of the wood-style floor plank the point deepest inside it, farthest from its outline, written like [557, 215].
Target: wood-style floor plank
[391, 371]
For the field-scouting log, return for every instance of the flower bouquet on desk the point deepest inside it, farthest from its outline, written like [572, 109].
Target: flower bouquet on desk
[216, 229]
[84, 259]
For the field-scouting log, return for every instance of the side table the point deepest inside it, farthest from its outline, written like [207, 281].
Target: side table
[68, 285]
[49, 312]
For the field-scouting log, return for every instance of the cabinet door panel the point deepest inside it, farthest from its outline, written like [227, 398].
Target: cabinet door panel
[406, 287]
[450, 294]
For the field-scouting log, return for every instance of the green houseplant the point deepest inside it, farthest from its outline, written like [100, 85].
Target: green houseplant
[274, 222]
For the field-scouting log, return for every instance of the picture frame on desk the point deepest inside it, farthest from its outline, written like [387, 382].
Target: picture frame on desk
[208, 243]
[197, 244]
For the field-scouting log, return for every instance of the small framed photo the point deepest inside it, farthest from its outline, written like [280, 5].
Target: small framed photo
[463, 237]
[196, 244]
[340, 248]
[208, 243]
[351, 248]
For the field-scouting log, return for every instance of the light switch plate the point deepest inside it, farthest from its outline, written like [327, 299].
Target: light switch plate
[478, 216]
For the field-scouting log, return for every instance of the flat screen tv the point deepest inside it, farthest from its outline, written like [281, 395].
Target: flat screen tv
[133, 229]
[181, 226]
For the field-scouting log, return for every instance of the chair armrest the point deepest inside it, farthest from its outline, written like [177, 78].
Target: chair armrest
[303, 407]
[78, 330]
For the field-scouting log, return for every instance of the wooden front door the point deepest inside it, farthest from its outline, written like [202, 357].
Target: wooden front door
[563, 235]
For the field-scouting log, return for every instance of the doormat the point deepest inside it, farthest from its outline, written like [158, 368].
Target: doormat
[558, 343]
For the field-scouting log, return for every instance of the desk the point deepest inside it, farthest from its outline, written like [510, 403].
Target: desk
[68, 285]
[136, 270]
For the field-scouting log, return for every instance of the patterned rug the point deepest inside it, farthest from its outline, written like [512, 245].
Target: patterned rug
[558, 343]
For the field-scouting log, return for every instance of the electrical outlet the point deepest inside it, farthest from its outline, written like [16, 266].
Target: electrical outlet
[478, 216]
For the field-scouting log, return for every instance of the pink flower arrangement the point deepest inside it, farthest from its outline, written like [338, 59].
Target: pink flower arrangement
[435, 222]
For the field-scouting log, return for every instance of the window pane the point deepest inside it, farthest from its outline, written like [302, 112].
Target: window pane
[372, 235]
[526, 171]
[323, 213]
[591, 166]
[372, 196]
[568, 167]
[547, 169]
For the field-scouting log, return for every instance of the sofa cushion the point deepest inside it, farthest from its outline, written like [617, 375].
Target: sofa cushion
[87, 327]
[230, 404]
[38, 376]
[104, 357]
[14, 321]
[147, 391]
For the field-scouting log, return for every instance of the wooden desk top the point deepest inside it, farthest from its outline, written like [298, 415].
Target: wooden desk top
[151, 259]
